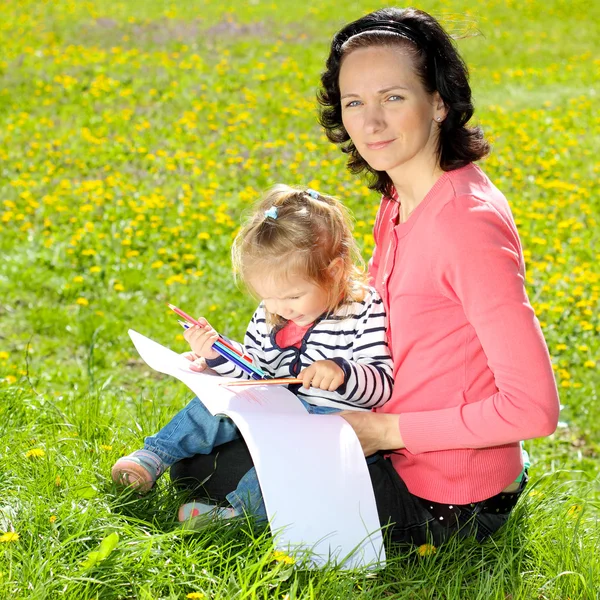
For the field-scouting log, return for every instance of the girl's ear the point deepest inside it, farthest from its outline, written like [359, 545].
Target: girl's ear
[336, 269]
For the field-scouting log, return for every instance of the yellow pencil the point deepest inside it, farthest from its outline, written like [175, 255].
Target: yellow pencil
[280, 381]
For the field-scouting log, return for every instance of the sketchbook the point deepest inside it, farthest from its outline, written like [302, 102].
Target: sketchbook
[311, 468]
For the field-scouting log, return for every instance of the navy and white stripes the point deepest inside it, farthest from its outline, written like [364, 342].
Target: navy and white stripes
[354, 337]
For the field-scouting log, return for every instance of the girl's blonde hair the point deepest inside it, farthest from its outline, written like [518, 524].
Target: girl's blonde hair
[299, 233]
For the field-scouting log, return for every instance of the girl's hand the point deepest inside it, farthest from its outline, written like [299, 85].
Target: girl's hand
[197, 363]
[375, 431]
[201, 339]
[322, 374]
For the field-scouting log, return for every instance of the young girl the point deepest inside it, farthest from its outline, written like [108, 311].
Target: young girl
[317, 320]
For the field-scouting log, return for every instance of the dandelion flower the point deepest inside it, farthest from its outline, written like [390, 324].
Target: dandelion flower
[195, 596]
[35, 453]
[9, 536]
[3, 355]
[282, 557]
[426, 550]
[82, 301]
[52, 519]
[106, 447]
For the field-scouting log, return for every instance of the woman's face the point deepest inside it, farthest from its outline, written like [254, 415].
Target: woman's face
[387, 112]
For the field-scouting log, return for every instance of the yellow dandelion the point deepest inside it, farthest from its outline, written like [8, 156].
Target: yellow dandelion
[82, 301]
[590, 364]
[106, 447]
[57, 481]
[119, 287]
[195, 596]
[3, 355]
[9, 536]
[35, 453]
[426, 550]
[95, 269]
[203, 236]
[52, 519]
[282, 557]
[10, 379]
[78, 279]
[574, 510]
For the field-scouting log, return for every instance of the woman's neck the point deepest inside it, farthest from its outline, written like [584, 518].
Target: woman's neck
[413, 185]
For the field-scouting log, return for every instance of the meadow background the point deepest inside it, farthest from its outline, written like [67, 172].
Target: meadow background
[133, 136]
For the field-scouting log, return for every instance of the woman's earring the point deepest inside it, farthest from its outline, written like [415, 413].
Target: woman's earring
[438, 119]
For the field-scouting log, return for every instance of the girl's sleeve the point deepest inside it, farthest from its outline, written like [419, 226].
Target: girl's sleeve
[481, 267]
[368, 376]
[252, 347]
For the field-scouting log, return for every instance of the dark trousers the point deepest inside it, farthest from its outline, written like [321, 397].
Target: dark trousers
[405, 518]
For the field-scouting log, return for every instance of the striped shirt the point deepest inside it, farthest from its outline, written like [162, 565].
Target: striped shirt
[354, 337]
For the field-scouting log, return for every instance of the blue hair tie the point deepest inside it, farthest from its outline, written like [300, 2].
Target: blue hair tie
[271, 212]
[313, 194]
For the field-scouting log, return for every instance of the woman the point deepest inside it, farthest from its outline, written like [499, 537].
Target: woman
[472, 372]
[471, 369]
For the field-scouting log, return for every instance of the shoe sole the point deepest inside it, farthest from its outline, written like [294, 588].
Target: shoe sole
[130, 474]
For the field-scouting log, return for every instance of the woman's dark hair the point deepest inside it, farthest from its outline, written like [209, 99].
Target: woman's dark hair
[440, 68]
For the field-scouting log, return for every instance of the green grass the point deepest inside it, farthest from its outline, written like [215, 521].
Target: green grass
[133, 138]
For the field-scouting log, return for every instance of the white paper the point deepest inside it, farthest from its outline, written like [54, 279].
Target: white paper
[311, 468]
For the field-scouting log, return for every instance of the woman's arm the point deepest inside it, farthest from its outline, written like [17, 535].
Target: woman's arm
[481, 268]
[375, 431]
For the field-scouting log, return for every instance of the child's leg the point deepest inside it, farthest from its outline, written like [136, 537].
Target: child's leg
[192, 431]
[245, 499]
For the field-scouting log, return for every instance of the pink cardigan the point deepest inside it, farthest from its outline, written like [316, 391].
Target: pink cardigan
[471, 367]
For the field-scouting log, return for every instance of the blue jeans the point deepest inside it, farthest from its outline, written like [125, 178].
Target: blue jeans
[193, 430]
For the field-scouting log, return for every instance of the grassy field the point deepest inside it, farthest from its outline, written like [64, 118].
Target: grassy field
[133, 136]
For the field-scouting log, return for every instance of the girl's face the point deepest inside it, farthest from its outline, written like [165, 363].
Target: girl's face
[387, 112]
[292, 298]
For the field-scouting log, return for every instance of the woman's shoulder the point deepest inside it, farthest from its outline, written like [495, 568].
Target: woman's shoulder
[470, 200]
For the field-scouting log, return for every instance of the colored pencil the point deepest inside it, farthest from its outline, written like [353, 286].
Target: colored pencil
[224, 349]
[191, 321]
[280, 381]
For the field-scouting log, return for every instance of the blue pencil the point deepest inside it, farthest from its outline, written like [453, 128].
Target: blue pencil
[237, 360]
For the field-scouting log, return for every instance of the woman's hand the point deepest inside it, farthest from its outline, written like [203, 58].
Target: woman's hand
[375, 431]
[322, 374]
[202, 338]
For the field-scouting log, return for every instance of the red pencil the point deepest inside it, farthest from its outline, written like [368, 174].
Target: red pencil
[194, 322]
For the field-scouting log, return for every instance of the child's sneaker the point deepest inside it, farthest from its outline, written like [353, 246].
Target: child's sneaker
[196, 514]
[138, 471]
